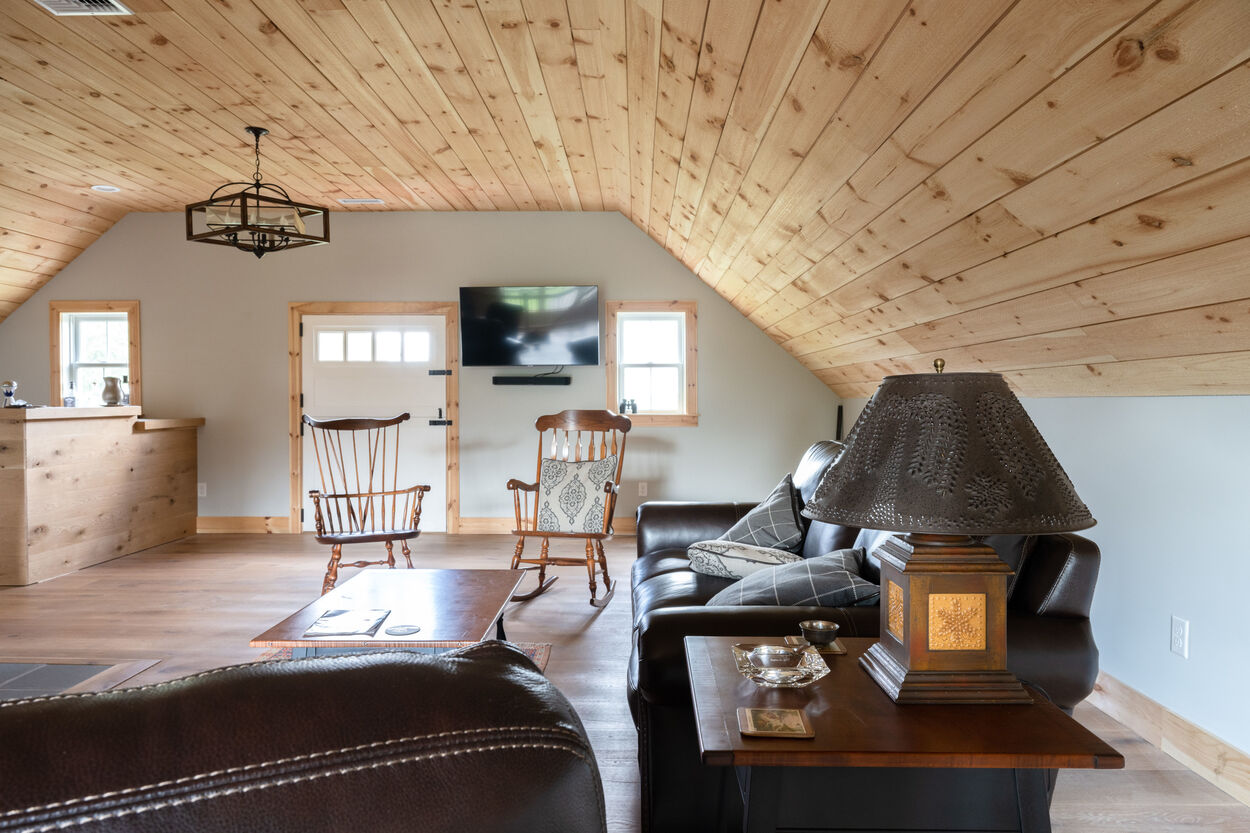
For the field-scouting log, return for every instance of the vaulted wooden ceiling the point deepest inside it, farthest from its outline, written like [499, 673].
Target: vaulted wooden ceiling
[1055, 189]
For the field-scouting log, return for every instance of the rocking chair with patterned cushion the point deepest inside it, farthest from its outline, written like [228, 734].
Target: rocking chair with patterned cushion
[580, 454]
[360, 501]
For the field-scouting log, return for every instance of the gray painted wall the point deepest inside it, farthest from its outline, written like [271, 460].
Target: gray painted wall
[214, 325]
[1166, 479]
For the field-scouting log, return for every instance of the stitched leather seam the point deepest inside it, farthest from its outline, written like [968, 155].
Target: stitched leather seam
[295, 779]
[311, 756]
[1054, 588]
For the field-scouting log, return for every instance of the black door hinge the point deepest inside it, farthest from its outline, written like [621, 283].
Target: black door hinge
[301, 516]
[301, 329]
[440, 372]
[440, 422]
[301, 400]
[301, 428]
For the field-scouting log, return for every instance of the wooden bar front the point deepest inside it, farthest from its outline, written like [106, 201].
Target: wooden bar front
[83, 485]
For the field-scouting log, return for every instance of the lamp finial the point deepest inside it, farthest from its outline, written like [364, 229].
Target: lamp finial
[939, 365]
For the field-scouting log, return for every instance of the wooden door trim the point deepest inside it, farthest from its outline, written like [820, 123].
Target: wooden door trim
[451, 313]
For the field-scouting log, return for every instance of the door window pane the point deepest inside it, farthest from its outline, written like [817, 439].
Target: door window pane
[360, 346]
[416, 346]
[387, 346]
[330, 346]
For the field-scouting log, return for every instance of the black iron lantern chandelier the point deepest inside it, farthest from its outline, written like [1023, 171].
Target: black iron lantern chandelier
[260, 218]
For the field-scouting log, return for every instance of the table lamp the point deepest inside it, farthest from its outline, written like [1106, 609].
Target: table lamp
[940, 459]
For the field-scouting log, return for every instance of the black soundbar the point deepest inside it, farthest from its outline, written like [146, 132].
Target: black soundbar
[531, 380]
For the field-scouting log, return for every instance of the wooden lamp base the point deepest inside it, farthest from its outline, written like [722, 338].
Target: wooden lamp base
[908, 686]
[943, 623]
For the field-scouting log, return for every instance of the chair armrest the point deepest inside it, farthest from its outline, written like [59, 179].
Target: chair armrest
[515, 485]
[660, 635]
[668, 525]
[1058, 577]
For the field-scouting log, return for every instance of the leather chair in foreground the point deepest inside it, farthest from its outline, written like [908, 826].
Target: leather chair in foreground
[476, 739]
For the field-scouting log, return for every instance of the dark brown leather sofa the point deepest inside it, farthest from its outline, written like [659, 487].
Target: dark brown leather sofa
[477, 739]
[1049, 641]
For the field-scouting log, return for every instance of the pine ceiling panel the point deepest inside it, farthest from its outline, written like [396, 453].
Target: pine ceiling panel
[1054, 189]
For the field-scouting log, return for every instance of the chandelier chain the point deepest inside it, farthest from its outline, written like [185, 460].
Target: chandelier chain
[256, 175]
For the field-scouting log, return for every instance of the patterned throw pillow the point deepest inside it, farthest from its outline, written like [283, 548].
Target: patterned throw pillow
[729, 560]
[775, 522]
[570, 495]
[831, 580]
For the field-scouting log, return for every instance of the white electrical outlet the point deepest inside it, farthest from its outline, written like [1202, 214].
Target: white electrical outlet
[1180, 636]
[642, 488]
[201, 489]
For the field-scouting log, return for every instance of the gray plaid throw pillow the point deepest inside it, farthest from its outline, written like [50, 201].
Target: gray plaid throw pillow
[831, 580]
[775, 522]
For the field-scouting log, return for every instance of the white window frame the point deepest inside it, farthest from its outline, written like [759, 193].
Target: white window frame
[689, 369]
[57, 309]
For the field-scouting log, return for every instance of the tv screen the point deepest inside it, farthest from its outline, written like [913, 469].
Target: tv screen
[529, 325]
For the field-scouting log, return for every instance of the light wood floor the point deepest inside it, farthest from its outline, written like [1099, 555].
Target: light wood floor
[194, 605]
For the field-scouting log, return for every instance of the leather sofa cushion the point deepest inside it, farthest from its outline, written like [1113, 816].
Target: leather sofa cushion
[676, 590]
[657, 564]
[331, 743]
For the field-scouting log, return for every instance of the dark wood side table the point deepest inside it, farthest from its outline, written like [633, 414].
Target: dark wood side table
[874, 765]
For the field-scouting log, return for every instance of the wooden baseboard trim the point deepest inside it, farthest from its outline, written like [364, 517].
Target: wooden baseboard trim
[503, 526]
[244, 523]
[1225, 766]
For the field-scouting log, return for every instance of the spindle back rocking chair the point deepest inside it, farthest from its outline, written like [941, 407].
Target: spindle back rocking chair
[360, 501]
[580, 455]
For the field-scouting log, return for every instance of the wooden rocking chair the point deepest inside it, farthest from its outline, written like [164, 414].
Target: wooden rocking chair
[359, 501]
[580, 454]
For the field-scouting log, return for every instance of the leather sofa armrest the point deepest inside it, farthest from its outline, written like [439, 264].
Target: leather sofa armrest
[1058, 577]
[668, 525]
[292, 746]
[660, 634]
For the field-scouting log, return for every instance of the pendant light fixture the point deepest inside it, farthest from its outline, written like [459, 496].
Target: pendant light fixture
[260, 218]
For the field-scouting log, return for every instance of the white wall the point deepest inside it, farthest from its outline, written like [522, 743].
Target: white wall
[214, 333]
[1166, 479]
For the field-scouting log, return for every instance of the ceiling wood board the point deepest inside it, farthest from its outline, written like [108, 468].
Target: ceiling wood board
[1053, 189]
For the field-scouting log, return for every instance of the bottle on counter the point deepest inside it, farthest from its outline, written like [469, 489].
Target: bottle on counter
[69, 400]
[125, 390]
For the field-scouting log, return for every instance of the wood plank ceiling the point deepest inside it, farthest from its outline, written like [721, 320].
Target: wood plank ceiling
[1054, 189]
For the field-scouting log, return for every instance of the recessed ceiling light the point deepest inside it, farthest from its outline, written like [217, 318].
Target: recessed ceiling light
[105, 189]
[362, 201]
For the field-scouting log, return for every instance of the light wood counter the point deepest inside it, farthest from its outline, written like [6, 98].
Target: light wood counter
[83, 485]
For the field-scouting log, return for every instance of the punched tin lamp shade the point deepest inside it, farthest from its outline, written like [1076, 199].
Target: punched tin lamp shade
[948, 453]
[942, 458]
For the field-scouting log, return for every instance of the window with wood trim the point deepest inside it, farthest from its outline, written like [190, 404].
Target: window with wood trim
[652, 361]
[91, 340]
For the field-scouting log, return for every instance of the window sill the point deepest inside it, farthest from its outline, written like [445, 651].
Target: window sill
[672, 420]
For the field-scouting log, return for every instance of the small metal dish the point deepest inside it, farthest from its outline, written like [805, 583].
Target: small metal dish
[819, 632]
[777, 666]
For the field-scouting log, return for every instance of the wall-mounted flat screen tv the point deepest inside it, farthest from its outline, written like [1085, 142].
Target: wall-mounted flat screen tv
[509, 326]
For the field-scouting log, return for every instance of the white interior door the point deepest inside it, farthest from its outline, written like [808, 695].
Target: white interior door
[379, 366]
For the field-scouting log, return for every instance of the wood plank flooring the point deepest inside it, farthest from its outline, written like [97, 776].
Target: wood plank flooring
[195, 603]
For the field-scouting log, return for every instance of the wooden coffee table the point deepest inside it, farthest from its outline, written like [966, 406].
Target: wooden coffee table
[875, 765]
[452, 607]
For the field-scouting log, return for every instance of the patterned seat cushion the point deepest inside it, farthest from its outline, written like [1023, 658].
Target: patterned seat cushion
[726, 559]
[775, 522]
[571, 496]
[831, 580]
